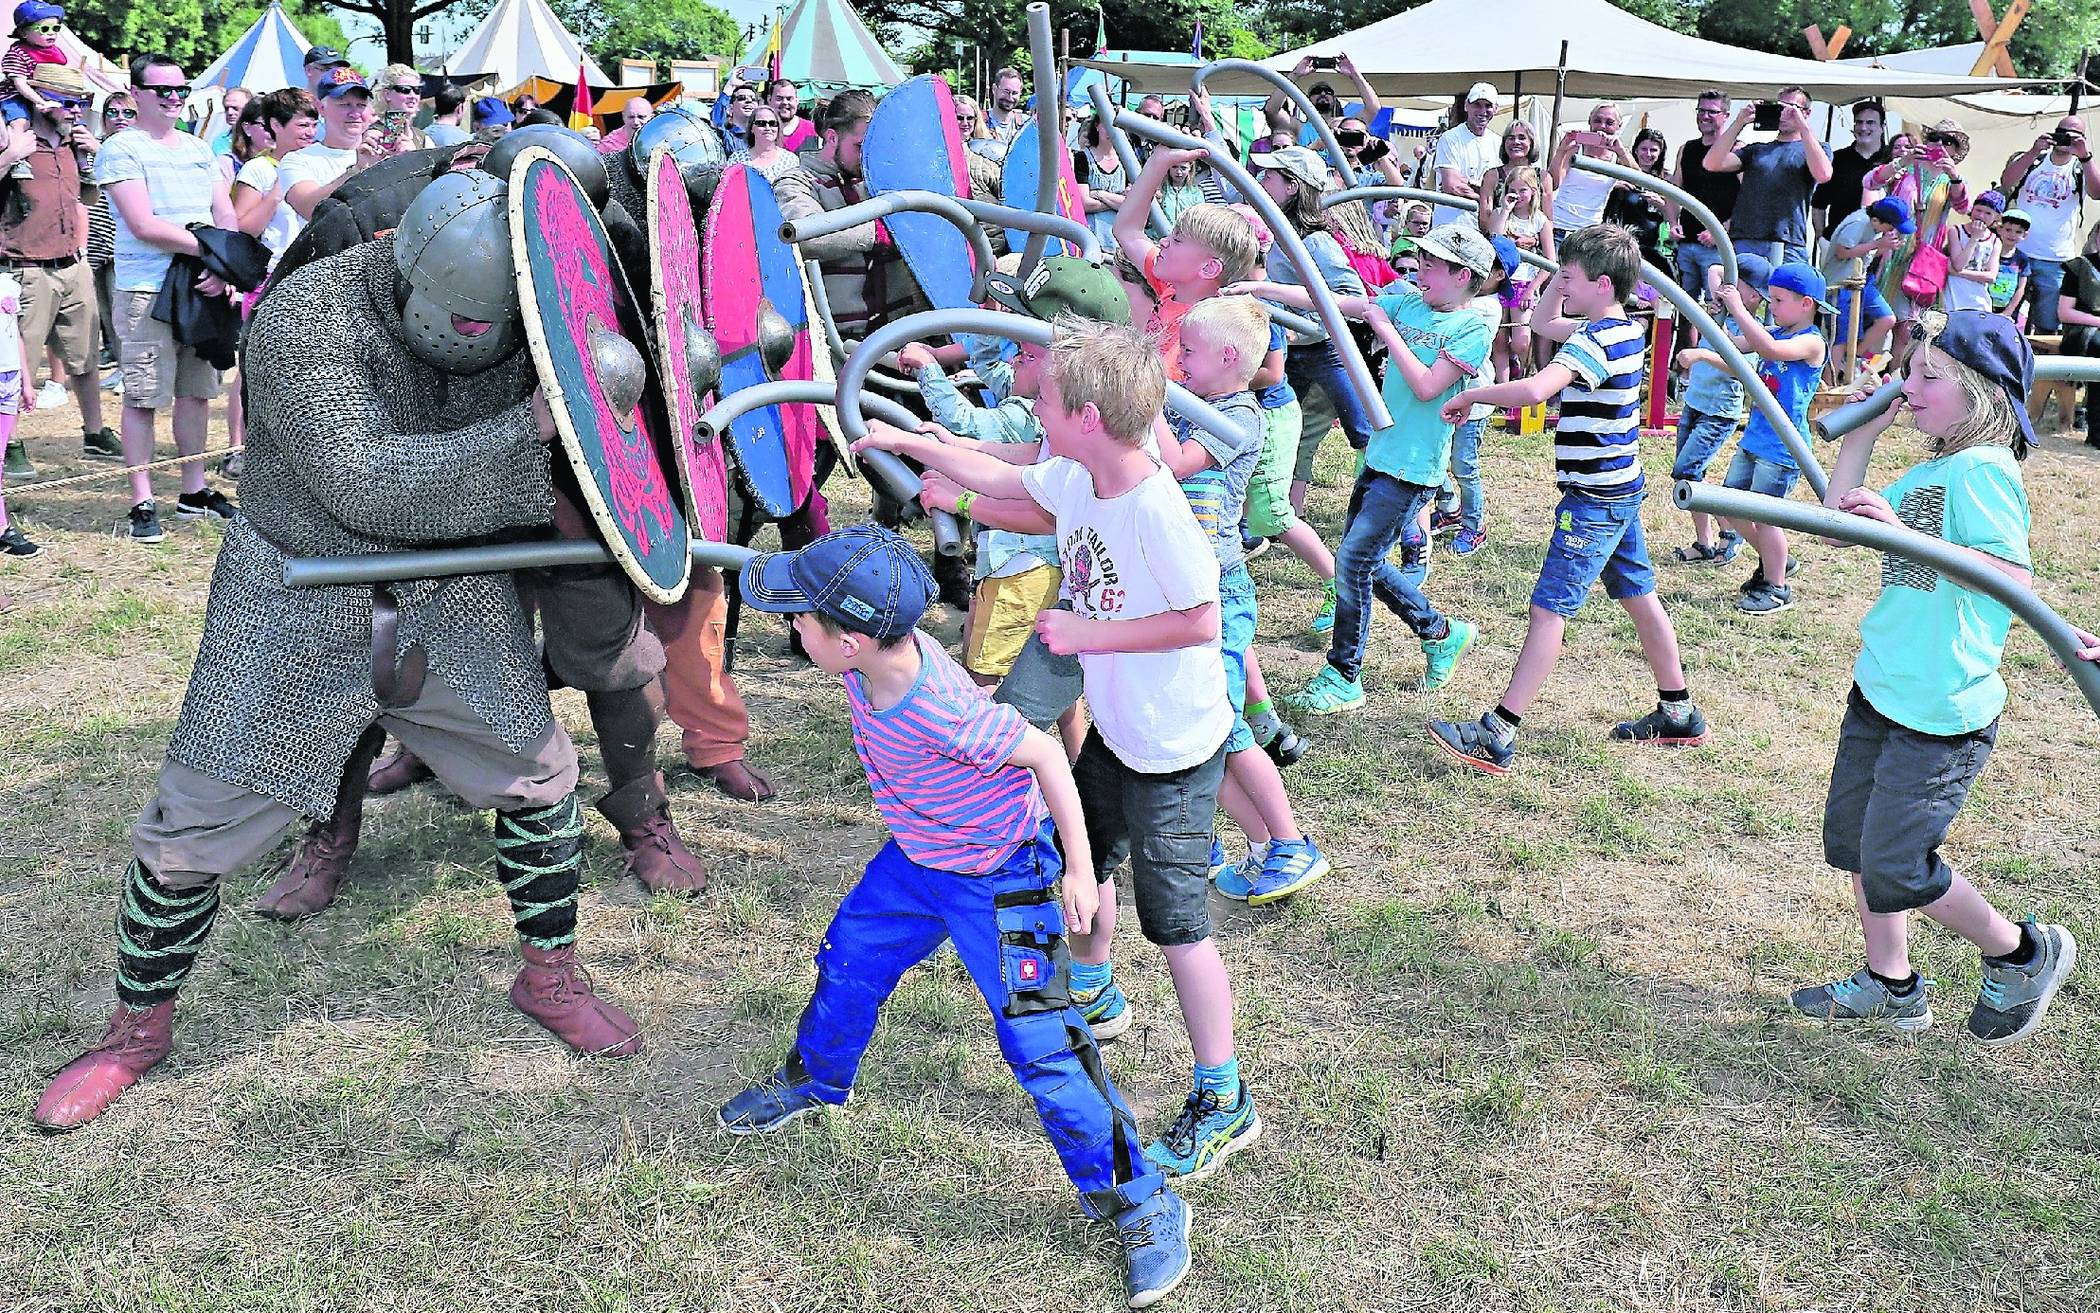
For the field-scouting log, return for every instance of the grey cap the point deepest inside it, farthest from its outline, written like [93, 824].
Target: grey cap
[1461, 244]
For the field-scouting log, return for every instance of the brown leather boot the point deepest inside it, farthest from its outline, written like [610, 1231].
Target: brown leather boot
[554, 990]
[320, 863]
[655, 854]
[396, 773]
[133, 1044]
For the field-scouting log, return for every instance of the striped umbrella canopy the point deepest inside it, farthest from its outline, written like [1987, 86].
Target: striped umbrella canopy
[269, 57]
[523, 39]
[824, 44]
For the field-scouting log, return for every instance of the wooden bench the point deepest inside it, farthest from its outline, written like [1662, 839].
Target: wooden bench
[2064, 390]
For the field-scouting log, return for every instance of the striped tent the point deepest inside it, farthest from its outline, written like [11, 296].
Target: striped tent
[825, 45]
[103, 74]
[523, 39]
[268, 57]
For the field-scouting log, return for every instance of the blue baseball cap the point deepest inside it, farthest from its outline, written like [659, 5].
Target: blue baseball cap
[1753, 271]
[340, 80]
[865, 579]
[491, 112]
[37, 11]
[1895, 212]
[1993, 346]
[1507, 255]
[1803, 279]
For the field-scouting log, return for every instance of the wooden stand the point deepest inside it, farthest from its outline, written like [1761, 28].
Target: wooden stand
[2064, 390]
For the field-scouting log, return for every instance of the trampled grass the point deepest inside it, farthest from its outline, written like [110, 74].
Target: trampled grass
[1524, 1050]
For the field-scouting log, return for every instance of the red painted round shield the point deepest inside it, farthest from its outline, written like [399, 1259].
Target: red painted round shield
[583, 325]
[682, 340]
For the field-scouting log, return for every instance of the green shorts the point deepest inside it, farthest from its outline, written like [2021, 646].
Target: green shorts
[1316, 419]
[1269, 510]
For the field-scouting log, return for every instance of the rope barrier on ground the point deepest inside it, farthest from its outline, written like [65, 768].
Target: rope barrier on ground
[44, 485]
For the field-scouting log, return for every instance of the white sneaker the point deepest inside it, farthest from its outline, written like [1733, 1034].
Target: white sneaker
[51, 396]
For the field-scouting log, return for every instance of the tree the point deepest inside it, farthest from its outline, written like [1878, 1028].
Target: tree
[397, 22]
[194, 32]
[999, 28]
[659, 30]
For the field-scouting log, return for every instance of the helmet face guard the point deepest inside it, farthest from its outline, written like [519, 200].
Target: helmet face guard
[452, 250]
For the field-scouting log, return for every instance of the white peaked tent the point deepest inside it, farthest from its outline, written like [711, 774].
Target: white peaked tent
[269, 57]
[103, 74]
[523, 39]
[1444, 46]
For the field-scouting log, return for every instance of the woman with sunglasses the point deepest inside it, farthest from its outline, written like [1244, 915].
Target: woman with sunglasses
[977, 135]
[765, 153]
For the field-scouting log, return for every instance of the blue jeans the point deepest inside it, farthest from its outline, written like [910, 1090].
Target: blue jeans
[1461, 491]
[1594, 539]
[1699, 437]
[2045, 282]
[1381, 510]
[1693, 259]
[1009, 932]
[1777, 252]
[1319, 365]
[1236, 621]
[1753, 473]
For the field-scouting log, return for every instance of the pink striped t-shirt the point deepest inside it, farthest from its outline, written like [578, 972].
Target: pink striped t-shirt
[935, 762]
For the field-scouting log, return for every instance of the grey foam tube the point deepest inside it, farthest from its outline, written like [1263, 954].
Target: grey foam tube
[1049, 130]
[1280, 230]
[1032, 221]
[1668, 190]
[489, 558]
[1949, 560]
[889, 203]
[1105, 110]
[1321, 126]
[1836, 422]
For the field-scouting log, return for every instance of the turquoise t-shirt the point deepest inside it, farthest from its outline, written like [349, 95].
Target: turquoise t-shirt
[1418, 445]
[1794, 383]
[1930, 648]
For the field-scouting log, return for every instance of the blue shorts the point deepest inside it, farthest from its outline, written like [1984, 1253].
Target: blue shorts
[1594, 539]
[1236, 639]
[14, 109]
[1699, 437]
[1875, 307]
[1752, 473]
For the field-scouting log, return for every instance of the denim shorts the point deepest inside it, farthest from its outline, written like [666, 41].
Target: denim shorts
[1236, 618]
[1162, 823]
[1893, 793]
[1699, 437]
[1748, 473]
[1876, 306]
[1594, 539]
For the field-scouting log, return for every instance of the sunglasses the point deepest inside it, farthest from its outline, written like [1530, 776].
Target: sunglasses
[180, 91]
[1939, 139]
[120, 114]
[48, 29]
[67, 102]
[407, 90]
[765, 123]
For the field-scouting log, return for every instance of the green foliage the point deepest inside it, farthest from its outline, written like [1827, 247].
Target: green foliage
[660, 30]
[195, 32]
[999, 28]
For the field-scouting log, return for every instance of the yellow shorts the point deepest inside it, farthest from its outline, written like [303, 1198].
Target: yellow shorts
[1002, 616]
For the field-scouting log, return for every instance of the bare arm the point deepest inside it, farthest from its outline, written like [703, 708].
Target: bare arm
[2016, 168]
[2067, 310]
[1068, 634]
[1426, 382]
[1721, 156]
[971, 469]
[1548, 317]
[1548, 383]
[1137, 202]
[1181, 458]
[1372, 105]
[1041, 756]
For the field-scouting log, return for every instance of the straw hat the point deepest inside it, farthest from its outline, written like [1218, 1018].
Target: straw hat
[61, 79]
[1950, 129]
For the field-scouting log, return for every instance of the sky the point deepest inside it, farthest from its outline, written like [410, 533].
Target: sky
[448, 35]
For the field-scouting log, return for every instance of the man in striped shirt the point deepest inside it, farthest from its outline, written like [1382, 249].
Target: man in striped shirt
[1597, 526]
[965, 786]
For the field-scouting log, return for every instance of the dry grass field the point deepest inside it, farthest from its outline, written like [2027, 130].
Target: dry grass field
[1525, 1050]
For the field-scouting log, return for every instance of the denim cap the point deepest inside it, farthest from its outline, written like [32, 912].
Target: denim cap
[492, 112]
[1895, 212]
[1994, 199]
[865, 579]
[1993, 346]
[1753, 271]
[1803, 279]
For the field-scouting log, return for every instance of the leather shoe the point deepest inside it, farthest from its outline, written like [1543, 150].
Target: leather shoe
[553, 990]
[395, 773]
[133, 1044]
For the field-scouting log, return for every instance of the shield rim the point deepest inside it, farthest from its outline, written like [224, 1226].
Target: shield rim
[543, 366]
[666, 359]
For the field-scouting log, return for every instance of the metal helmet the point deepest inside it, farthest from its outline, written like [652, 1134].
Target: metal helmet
[581, 157]
[452, 249]
[690, 138]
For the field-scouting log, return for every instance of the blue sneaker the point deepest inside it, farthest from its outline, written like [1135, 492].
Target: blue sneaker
[768, 1105]
[1467, 541]
[1107, 1012]
[1205, 1135]
[1235, 880]
[1323, 619]
[1155, 1240]
[1485, 745]
[1219, 862]
[1287, 868]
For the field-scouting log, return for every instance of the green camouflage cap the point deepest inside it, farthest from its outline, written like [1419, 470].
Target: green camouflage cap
[1060, 285]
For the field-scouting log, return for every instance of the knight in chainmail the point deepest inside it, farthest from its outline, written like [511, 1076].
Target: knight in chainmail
[593, 641]
[389, 407]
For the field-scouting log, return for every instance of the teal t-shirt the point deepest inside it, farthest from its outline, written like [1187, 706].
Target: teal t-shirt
[1930, 648]
[1418, 445]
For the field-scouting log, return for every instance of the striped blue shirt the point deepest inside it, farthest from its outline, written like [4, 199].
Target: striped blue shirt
[1597, 444]
[936, 762]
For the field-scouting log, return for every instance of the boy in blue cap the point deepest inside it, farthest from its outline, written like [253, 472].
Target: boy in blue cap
[976, 800]
[1790, 363]
[1857, 246]
[1713, 408]
[37, 25]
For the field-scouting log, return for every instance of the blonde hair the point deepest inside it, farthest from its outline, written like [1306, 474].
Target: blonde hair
[1113, 368]
[1538, 184]
[1239, 322]
[1990, 421]
[1222, 232]
[397, 74]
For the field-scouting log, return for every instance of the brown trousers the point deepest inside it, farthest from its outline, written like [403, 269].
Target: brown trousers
[698, 691]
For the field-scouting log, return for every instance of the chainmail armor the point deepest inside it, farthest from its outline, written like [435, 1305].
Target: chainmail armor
[356, 446]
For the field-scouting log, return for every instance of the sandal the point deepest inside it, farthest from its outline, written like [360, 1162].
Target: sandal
[1698, 554]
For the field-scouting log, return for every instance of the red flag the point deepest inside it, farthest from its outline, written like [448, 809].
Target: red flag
[580, 112]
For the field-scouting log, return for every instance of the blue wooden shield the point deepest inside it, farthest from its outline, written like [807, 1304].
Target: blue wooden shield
[1019, 184]
[913, 143]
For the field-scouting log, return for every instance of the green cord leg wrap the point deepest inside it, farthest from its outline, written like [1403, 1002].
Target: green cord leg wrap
[159, 932]
[539, 855]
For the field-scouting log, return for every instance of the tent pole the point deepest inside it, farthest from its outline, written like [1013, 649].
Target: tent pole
[2078, 87]
[1560, 89]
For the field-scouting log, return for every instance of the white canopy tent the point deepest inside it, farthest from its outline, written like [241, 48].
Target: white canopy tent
[1438, 48]
[523, 39]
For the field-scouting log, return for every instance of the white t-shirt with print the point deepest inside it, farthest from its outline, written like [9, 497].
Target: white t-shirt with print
[1472, 156]
[1126, 558]
[2049, 196]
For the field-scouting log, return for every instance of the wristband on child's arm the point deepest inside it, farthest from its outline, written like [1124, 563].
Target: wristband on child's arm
[965, 502]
